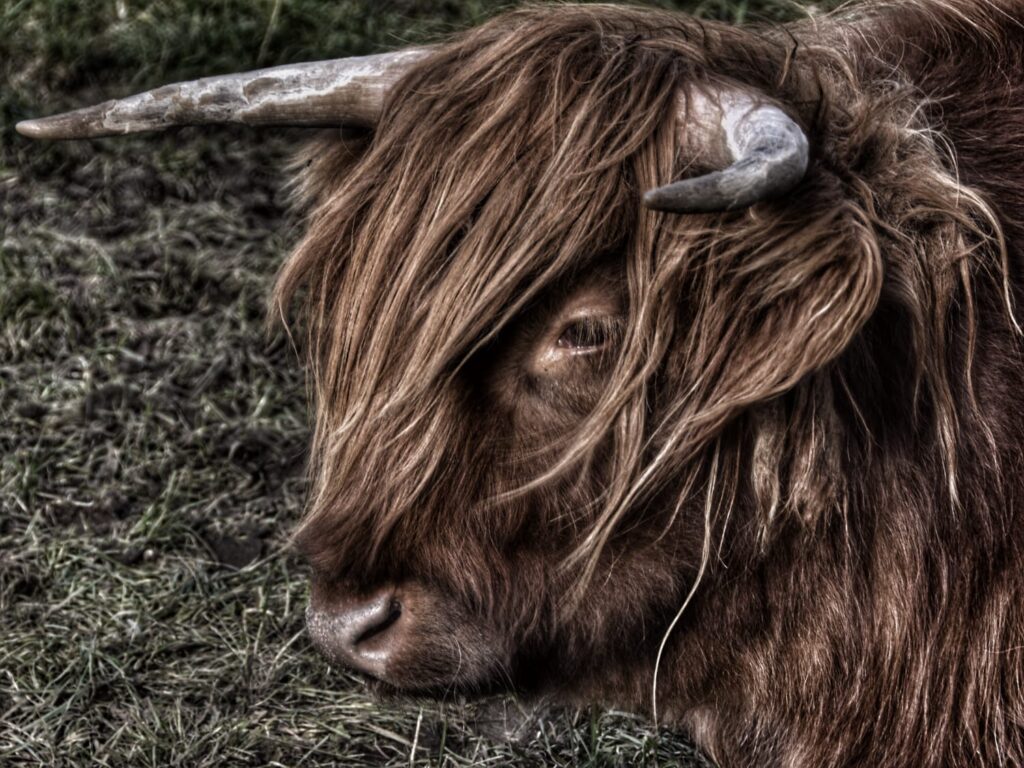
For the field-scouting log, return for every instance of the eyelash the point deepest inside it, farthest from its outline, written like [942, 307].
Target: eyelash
[587, 334]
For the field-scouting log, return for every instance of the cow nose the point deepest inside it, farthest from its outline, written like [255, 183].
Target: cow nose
[360, 632]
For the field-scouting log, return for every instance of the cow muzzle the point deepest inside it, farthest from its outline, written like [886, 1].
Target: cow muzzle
[363, 632]
[407, 637]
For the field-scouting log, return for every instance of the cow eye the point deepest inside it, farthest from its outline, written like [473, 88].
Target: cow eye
[587, 326]
[585, 334]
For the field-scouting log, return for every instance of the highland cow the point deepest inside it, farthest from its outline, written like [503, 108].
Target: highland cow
[669, 365]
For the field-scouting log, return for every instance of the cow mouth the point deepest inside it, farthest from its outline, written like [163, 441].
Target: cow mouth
[385, 691]
[432, 677]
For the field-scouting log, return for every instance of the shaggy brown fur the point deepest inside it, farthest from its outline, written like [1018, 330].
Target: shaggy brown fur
[809, 431]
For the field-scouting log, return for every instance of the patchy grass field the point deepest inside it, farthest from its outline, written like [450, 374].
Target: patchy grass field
[152, 436]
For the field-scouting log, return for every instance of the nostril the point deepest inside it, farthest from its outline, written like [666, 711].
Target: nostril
[358, 630]
[393, 613]
[363, 619]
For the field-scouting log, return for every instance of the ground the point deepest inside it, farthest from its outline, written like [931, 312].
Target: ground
[153, 432]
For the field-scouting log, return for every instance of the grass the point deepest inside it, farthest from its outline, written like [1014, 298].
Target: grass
[152, 436]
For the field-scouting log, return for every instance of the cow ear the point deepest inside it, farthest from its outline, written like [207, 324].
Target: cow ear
[770, 298]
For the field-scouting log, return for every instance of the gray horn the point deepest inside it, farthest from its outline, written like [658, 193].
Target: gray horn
[321, 93]
[764, 150]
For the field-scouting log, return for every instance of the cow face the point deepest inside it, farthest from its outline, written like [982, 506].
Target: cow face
[470, 589]
[485, 335]
[500, 343]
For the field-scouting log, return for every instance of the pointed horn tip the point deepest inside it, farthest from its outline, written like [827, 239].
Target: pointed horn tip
[656, 200]
[680, 198]
[56, 127]
[85, 123]
[33, 129]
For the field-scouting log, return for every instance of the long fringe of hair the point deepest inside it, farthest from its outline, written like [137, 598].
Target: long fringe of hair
[514, 159]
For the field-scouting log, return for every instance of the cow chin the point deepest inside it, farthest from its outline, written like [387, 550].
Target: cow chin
[405, 639]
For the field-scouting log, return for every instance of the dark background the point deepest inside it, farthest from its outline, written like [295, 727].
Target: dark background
[152, 435]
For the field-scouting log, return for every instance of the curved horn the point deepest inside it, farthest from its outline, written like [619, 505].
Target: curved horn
[320, 93]
[767, 154]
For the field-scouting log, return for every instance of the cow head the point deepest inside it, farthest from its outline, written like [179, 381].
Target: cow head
[547, 373]
[500, 343]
